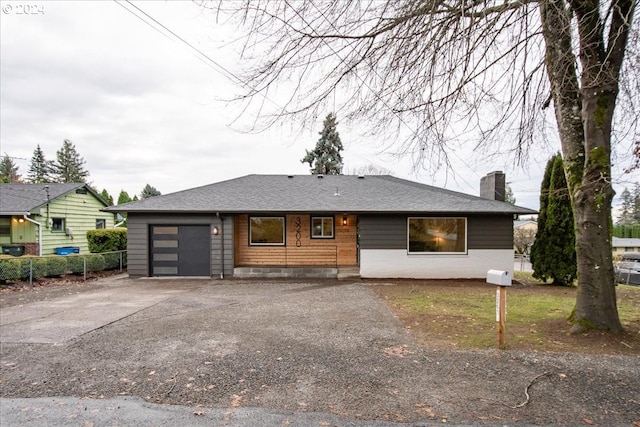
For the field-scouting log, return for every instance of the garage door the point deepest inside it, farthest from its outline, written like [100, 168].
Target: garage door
[180, 250]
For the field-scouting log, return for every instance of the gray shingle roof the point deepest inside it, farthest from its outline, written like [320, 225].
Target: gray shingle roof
[310, 193]
[18, 199]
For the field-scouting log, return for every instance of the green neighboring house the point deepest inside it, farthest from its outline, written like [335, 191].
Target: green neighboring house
[38, 218]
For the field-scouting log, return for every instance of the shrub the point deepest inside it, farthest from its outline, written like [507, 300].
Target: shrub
[10, 268]
[111, 261]
[95, 262]
[40, 267]
[75, 263]
[107, 240]
[56, 265]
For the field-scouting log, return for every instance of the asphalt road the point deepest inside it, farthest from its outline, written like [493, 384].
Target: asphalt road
[207, 352]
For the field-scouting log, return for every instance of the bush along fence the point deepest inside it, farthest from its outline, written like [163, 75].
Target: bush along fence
[33, 267]
[108, 252]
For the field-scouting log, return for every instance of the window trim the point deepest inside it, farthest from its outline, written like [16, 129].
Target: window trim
[103, 222]
[333, 227]
[62, 229]
[466, 236]
[284, 231]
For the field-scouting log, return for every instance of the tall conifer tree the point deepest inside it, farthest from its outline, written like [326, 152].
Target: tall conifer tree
[40, 168]
[8, 170]
[69, 165]
[553, 255]
[326, 159]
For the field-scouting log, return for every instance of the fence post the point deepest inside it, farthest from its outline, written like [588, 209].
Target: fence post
[120, 253]
[84, 262]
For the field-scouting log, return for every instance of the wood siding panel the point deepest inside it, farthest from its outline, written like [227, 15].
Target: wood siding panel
[299, 249]
[490, 232]
[383, 232]
[390, 232]
[137, 246]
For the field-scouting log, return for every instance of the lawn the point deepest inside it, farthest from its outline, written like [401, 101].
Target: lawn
[462, 314]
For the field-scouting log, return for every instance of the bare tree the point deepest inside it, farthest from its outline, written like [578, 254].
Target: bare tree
[523, 238]
[437, 72]
[370, 169]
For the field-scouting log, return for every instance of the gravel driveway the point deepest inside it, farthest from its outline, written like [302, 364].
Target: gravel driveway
[325, 348]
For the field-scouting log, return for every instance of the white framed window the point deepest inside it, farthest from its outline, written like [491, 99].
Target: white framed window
[57, 224]
[437, 235]
[322, 227]
[101, 223]
[266, 231]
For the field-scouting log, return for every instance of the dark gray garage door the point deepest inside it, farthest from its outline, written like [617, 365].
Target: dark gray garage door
[180, 250]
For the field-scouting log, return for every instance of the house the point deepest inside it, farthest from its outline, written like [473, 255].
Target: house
[321, 226]
[38, 218]
[524, 234]
[621, 245]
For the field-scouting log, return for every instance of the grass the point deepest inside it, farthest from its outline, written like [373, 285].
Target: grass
[462, 314]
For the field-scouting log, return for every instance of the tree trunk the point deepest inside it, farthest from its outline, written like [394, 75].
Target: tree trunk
[584, 112]
[596, 305]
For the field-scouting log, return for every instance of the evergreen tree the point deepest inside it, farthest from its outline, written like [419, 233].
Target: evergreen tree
[553, 255]
[69, 166]
[123, 197]
[326, 159]
[149, 191]
[627, 208]
[636, 204]
[106, 196]
[40, 168]
[509, 197]
[537, 250]
[8, 170]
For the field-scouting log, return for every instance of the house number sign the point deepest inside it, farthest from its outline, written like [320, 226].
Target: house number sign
[298, 224]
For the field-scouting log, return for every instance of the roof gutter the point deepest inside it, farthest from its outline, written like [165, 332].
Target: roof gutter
[26, 217]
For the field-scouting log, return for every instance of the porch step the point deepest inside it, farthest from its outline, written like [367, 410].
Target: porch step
[285, 272]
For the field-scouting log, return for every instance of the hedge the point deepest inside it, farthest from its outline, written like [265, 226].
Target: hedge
[18, 268]
[75, 263]
[107, 240]
[56, 266]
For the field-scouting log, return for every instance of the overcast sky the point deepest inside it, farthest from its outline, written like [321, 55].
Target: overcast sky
[142, 107]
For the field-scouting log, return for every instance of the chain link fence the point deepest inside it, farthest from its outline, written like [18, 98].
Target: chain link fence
[14, 269]
[522, 263]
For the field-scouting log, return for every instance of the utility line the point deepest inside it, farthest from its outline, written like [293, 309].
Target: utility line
[203, 57]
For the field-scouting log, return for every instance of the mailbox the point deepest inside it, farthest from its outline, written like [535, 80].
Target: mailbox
[499, 277]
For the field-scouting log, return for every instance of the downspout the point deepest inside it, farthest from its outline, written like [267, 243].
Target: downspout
[221, 246]
[39, 233]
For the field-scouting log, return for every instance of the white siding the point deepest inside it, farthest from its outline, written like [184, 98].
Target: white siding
[396, 263]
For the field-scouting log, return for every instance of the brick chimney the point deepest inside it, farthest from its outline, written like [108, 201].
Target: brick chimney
[493, 186]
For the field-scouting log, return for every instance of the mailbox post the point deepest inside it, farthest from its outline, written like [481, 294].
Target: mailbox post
[502, 279]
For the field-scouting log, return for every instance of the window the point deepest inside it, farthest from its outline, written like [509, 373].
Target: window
[5, 226]
[441, 235]
[101, 223]
[57, 224]
[322, 227]
[266, 231]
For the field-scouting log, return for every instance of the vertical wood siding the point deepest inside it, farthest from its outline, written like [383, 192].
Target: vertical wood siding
[299, 249]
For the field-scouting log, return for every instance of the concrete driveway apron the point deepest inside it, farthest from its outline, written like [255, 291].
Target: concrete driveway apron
[61, 319]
